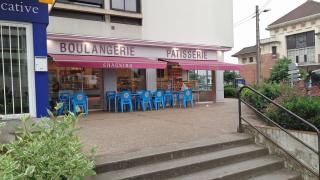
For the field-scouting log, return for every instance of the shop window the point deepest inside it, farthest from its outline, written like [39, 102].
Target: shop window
[91, 3]
[126, 5]
[14, 94]
[202, 78]
[160, 73]
[77, 15]
[131, 79]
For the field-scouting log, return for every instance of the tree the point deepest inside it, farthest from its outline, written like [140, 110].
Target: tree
[279, 71]
[229, 77]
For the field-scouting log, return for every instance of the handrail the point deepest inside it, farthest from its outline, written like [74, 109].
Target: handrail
[240, 100]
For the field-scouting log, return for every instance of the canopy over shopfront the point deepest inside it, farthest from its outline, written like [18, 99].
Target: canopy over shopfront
[203, 64]
[111, 62]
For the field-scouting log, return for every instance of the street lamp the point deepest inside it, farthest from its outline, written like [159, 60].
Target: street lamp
[258, 58]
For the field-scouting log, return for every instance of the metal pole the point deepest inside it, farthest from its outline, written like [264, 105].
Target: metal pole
[319, 154]
[258, 60]
[240, 130]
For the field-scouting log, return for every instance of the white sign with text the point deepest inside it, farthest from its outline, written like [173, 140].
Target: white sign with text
[105, 49]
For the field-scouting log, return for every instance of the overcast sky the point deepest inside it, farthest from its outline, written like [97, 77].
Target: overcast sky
[244, 31]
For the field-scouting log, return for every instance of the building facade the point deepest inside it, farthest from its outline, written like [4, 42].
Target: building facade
[295, 36]
[23, 42]
[115, 45]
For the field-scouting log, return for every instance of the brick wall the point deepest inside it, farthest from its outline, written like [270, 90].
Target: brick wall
[248, 71]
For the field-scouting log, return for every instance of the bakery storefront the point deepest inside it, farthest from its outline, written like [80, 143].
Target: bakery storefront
[97, 65]
[23, 43]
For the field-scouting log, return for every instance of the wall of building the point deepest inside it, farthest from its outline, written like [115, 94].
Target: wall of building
[188, 21]
[309, 25]
[184, 21]
[248, 71]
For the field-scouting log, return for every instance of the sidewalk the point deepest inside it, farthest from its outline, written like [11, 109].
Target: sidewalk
[117, 133]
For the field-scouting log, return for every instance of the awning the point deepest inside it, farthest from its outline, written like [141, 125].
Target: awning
[203, 64]
[110, 62]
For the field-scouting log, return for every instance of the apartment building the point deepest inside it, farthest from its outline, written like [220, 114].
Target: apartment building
[114, 45]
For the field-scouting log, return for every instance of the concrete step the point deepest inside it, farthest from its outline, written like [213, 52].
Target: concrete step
[169, 152]
[282, 174]
[190, 164]
[238, 171]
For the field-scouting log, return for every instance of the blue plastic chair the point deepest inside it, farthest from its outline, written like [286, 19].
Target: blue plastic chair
[125, 100]
[137, 99]
[80, 100]
[168, 98]
[110, 98]
[146, 100]
[64, 97]
[187, 98]
[179, 98]
[158, 99]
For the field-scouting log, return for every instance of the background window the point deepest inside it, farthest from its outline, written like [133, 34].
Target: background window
[93, 3]
[274, 50]
[126, 5]
[251, 60]
[305, 58]
[297, 59]
[301, 40]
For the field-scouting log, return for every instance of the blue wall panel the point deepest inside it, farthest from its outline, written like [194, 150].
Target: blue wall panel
[41, 78]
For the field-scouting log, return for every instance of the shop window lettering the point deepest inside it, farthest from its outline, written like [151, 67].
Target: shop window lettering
[96, 49]
[117, 65]
[186, 54]
[19, 8]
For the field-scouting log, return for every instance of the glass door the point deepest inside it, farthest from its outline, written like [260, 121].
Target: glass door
[14, 98]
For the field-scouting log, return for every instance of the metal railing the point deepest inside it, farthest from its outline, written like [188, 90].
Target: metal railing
[241, 118]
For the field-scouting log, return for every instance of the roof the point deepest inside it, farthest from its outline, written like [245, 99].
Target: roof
[308, 8]
[246, 50]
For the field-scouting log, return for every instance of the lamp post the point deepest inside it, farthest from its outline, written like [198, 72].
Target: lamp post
[258, 57]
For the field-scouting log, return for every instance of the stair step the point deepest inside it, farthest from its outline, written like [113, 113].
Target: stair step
[172, 168]
[173, 151]
[282, 174]
[240, 170]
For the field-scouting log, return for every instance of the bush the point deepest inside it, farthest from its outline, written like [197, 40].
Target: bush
[230, 91]
[49, 149]
[271, 90]
[305, 107]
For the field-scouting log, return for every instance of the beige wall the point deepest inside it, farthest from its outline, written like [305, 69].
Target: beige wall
[208, 22]
[189, 21]
[280, 34]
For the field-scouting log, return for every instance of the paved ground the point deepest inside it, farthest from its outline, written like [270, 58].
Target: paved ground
[118, 133]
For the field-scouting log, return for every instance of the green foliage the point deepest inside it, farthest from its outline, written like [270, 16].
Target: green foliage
[279, 71]
[230, 91]
[305, 107]
[48, 149]
[270, 90]
[229, 77]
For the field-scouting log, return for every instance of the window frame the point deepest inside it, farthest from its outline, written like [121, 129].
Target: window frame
[82, 3]
[30, 67]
